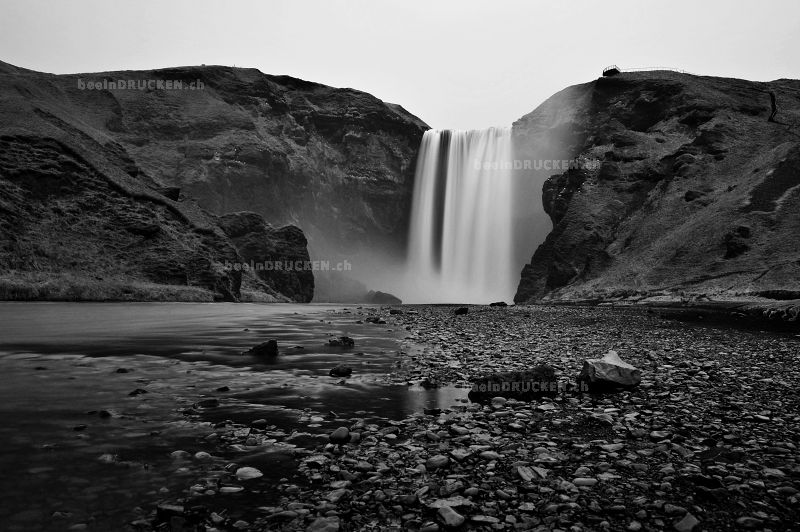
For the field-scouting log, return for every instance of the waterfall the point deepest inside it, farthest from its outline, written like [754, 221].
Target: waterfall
[460, 239]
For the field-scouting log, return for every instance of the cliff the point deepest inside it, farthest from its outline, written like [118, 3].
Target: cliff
[87, 214]
[684, 188]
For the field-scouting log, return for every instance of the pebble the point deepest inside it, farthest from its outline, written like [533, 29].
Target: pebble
[248, 473]
[450, 517]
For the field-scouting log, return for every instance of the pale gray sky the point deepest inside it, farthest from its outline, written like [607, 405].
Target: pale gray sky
[454, 63]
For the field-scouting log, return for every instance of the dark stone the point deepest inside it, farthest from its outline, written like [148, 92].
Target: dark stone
[342, 341]
[223, 389]
[341, 371]
[376, 320]
[461, 311]
[340, 436]
[208, 403]
[137, 391]
[539, 381]
[265, 349]
[395, 311]
[498, 304]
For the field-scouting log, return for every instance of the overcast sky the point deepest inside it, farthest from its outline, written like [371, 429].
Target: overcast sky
[455, 64]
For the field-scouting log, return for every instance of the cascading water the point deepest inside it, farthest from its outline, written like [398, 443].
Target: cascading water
[460, 241]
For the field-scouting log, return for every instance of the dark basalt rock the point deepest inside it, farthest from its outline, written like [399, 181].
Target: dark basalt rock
[341, 435]
[266, 349]
[341, 371]
[539, 381]
[461, 311]
[498, 304]
[277, 257]
[342, 341]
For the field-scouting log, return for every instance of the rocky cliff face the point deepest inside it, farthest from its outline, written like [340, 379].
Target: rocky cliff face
[81, 217]
[690, 189]
[338, 163]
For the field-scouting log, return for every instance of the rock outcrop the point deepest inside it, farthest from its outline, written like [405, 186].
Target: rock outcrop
[338, 163]
[278, 258]
[681, 187]
[82, 219]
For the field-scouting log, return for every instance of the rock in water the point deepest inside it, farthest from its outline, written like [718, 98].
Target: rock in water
[461, 311]
[340, 436]
[342, 341]
[341, 371]
[608, 373]
[266, 349]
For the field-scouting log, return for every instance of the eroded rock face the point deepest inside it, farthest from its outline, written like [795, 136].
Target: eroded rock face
[338, 163]
[277, 257]
[679, 165]
[82, 219]
[73, 230]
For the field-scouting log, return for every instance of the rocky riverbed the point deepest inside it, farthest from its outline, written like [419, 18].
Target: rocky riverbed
[707, 441]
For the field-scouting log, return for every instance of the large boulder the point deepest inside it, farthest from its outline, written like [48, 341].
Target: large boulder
[277, 257]
[608, 373]
[523, 385]
[265, 349]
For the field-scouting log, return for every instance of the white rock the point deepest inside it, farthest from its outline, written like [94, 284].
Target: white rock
[248, 473]
[610, 370]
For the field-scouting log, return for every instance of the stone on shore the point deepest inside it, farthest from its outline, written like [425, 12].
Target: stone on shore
[609, 372]
[524, 385]
[450, 517]
[340, 436]
[687, 524]
[248, 473]
[324, 524]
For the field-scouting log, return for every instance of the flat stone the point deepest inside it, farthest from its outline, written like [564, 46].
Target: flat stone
[450, 517]
[435, 462]
[324, 524]
[248, 473]
[687, 524]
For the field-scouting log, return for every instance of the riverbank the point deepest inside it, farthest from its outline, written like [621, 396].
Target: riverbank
[707, 442]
